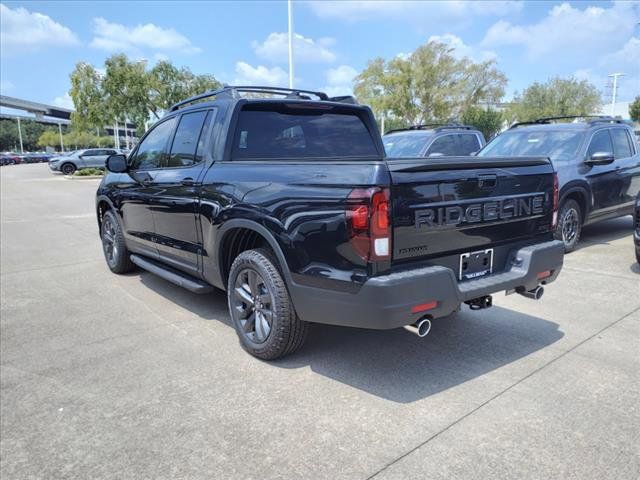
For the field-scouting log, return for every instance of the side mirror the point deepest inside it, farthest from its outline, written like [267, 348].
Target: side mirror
[600, 158]
[117, 163]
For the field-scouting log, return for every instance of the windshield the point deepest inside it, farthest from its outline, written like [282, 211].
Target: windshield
[405, 144]
[555, 144]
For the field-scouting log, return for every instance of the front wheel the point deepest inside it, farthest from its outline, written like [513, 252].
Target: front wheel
[68, 168]
[569, 226]
[261, 309]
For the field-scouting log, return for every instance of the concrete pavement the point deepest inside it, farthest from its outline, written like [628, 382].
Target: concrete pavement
[105, 376]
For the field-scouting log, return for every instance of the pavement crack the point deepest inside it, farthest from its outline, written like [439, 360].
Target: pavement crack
[500, 393]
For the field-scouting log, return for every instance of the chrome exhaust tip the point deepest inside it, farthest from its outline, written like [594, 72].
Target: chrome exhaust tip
[535, 294]
[421, 328]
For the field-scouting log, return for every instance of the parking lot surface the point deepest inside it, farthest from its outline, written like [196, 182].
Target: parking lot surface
[106, 376]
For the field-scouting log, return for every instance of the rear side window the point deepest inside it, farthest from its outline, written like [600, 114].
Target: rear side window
[445, 145]
[468, 144]
[185, 142]
[621, 143]
[601, 142]
[301, 133]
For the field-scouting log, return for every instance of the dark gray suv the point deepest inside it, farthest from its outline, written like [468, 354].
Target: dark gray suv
[433, 140]
[597, 161]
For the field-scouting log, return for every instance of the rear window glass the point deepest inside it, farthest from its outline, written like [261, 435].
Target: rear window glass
[303, 133]
[555, 144]
[406, 144]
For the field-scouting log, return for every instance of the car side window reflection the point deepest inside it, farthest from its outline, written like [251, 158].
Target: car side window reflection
[152, 149]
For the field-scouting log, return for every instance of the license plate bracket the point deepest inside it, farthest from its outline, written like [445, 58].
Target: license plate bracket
[476, 264]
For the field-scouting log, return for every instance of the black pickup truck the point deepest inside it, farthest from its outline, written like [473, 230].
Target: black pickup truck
[289, 204]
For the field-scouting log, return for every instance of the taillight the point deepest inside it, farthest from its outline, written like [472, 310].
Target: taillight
[554, 218]
[368, 219]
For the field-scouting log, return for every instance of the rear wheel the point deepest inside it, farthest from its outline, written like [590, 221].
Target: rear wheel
[261, 309]
[68, 168]
[569, 226]
[113, 245]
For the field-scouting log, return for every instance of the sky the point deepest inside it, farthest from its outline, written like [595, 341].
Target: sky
[245, 42]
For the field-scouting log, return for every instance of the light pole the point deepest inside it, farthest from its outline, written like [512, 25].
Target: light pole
[20, 135]
[290, 12]
[61, 142]
[615, 91]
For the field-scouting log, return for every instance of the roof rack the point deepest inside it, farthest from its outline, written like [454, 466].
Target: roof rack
[233, 91]
[547, 120]
[434, 126]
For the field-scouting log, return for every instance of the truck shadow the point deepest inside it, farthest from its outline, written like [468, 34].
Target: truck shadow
[399, 366]
[395, 364]
[606, 231]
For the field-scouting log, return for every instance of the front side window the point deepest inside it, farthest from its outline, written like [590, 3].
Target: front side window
[621, 143]
[185, 142]
[153, 147]
[468, 144]
[268, 132]
[601, 142]
[445, 145]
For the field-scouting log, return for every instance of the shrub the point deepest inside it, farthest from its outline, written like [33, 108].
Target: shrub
[85, 172]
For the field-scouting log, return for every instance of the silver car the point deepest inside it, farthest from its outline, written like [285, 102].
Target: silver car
[76, 160]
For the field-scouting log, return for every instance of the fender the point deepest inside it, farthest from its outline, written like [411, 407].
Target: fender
[582, 188]
[100, 198]
[258, 228]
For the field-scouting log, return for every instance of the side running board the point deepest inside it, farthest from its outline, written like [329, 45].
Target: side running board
[174, 276]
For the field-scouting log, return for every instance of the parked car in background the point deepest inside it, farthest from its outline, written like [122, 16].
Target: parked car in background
[597, 161]
[37, 157]
[433, 140]
[9, 159]
[76, 160]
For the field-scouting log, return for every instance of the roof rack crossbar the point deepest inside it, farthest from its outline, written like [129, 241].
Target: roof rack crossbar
[547, 120]
[195, 98]
[233, 90]
[438, 127]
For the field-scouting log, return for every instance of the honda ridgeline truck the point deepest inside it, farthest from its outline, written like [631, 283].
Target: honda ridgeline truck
[289, 204]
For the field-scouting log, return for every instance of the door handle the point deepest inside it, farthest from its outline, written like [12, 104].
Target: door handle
[188, 182]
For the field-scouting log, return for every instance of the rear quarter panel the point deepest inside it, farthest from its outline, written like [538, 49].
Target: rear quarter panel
[301, 204]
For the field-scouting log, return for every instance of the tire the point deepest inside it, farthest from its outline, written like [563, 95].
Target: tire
[569, 226]
[113, 245]
[68, 168]
[261, 309]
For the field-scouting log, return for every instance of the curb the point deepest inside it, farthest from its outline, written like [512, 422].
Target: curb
[84, 177]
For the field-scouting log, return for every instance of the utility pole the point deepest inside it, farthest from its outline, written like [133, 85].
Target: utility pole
[290, 11]
[615, 91]
[20, 135]
[61, 142]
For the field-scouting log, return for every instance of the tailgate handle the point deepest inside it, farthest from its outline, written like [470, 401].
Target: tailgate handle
[487, 181]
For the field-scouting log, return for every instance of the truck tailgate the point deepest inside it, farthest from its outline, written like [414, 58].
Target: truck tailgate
[452, 205]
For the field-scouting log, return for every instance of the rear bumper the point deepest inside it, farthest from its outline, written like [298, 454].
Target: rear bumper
[385, 302]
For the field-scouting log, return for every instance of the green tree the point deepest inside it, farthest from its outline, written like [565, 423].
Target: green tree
[128, 90]
[9, 140]
[634, 110]
[488, 121]
[88, 98]
[49, 138]
[431, 84]
[558, 96]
